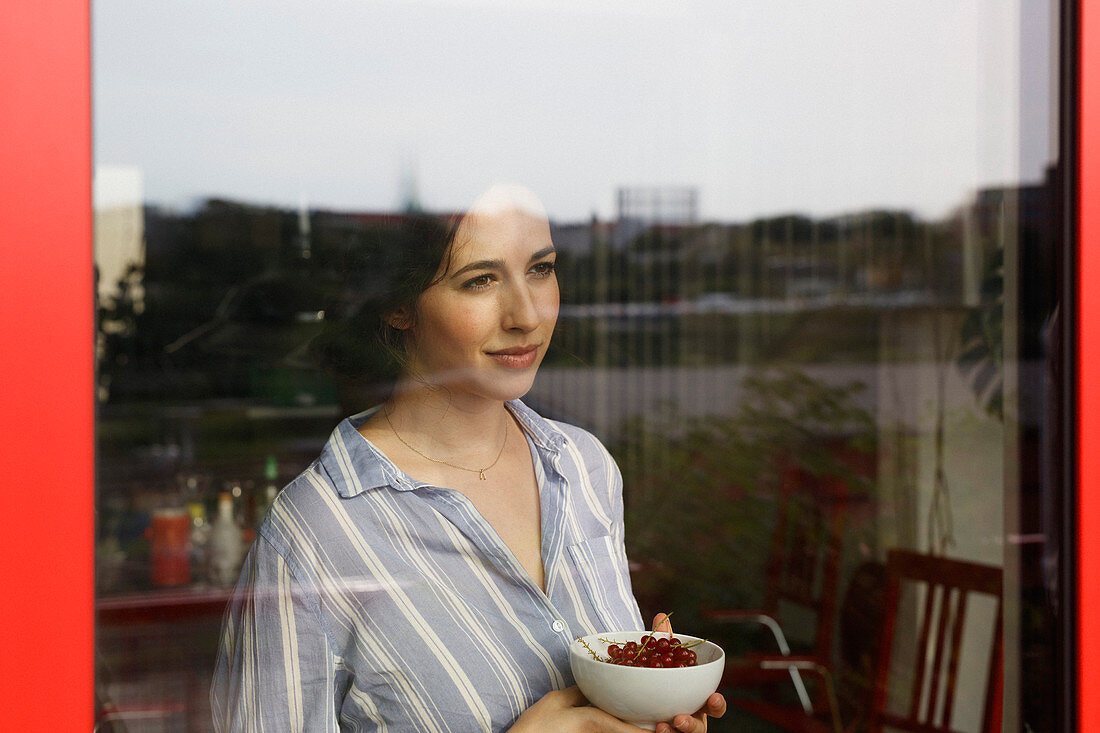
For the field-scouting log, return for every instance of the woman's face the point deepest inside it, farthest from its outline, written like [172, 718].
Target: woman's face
[484, 327]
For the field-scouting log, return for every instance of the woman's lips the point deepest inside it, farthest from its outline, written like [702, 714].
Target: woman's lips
[518, 357]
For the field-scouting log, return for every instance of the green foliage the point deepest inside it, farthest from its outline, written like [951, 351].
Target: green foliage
[701, 492]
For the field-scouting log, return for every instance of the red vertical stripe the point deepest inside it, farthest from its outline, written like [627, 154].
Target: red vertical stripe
[46, 402]
[1088, 314]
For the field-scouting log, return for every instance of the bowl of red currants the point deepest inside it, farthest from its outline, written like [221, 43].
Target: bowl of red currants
[646, 678]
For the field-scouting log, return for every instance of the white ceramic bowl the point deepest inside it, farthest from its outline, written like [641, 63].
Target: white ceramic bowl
[640, 695]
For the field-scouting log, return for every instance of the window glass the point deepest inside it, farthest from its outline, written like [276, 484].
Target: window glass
[809, 260]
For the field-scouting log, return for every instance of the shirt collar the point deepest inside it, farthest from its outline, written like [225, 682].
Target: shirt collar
[543, 432]
[355, 465]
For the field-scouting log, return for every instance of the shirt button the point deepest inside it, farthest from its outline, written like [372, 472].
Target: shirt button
[558, 626]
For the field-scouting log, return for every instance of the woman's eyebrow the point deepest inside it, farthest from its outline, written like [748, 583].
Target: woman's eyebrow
[542, 253]
[499, 264]
[480, 265]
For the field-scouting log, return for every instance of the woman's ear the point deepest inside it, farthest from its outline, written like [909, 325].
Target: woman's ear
[401, 318]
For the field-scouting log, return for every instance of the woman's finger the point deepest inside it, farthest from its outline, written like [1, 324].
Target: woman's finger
[571, 697]
[661, 622]
[714, 707]
[684, 724]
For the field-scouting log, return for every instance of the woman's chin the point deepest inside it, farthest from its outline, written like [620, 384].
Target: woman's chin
[506, 393]
[494, 384]
[509, 385]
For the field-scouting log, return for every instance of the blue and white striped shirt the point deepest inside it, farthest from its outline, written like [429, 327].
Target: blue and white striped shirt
[372, 602]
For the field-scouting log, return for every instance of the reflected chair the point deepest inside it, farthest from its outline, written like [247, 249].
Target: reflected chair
[948, 587]
[802, 575]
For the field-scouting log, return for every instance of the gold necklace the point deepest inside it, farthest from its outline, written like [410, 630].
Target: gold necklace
[479, 471]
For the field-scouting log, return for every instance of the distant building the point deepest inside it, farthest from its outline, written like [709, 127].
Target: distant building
[119, 229]
[639, 208]
[659, 205]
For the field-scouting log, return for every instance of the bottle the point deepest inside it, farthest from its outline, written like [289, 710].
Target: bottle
[270, 488]
[200, 535]
[238, 498]
[225, 547]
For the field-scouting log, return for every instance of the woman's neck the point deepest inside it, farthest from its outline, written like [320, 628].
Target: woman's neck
[431, 419]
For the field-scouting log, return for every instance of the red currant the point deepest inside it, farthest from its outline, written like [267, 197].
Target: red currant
[653, 652]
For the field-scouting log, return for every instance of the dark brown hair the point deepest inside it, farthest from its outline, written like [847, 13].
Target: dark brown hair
[394, 266]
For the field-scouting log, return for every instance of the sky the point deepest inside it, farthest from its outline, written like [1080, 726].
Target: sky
[764, 106]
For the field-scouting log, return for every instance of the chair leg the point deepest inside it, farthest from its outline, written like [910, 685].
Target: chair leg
[827, 678]
[785, 649]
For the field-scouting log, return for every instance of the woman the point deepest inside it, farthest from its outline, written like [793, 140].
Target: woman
[430, 569]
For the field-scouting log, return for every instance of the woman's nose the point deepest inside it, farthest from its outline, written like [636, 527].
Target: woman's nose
[521, 311]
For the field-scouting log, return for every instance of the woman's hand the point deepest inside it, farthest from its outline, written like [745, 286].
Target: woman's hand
[715, 705]
[567, 711]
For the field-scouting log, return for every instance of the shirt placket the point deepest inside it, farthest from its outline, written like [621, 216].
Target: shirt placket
[552, 496]
[454, 506]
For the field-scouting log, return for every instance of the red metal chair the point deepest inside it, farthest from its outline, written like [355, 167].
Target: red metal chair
[802, 573]
[941, 619]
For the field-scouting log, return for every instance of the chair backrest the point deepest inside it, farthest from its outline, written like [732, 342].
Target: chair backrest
[941, 618]
[804, 559]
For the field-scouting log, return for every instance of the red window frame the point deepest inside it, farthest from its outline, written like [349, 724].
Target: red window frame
[47, 401]
[46, 398]
[1088, 368]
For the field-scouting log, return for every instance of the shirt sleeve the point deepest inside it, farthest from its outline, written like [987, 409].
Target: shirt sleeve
[276, 667]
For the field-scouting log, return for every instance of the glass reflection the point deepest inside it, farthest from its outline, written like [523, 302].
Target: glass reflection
[826, 329]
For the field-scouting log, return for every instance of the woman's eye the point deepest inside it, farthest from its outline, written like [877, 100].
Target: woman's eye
[543, 269]
[478, 283]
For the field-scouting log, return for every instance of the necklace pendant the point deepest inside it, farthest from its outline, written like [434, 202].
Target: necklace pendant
[481, 474]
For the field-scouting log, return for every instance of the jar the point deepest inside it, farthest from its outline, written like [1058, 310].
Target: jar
[170, 547]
